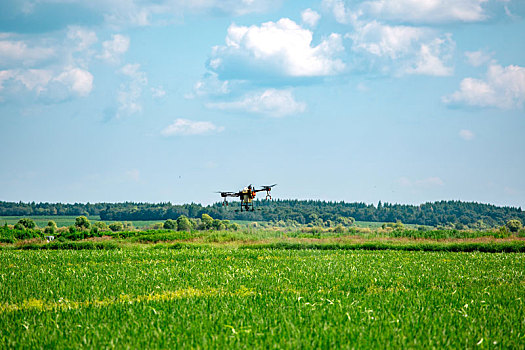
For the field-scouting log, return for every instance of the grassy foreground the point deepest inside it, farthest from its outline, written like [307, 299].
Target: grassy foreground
[219, 297]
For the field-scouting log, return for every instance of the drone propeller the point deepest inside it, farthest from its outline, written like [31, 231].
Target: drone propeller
[225, 194]
[267, 189]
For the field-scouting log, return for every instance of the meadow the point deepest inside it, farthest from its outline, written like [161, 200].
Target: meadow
[67, 220]
[200, 297]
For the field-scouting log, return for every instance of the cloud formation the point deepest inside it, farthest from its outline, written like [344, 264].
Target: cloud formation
[113, 49]
[310, 17]
[409, 11]
[503, 87]
[427, 11]
[82, 37]
[22, 16]
[17, 53]
[477, 58]
[270, 102]
[78, 80]
[130, 92]
[188, 127]
[403, 49]
[278, 49]
[49, 69]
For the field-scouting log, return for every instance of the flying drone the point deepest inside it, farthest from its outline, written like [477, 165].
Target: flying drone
[246, 195]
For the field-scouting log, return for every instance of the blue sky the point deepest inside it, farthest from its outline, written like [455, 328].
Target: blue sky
[402, 101]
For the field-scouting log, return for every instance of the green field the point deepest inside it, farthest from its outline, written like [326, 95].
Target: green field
[244, 298]
[65, 220]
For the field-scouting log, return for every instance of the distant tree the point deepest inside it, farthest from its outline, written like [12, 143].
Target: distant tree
[207, 221]
[183, 224]
[82, 222]
[170, 224]
[100, 225]
[26, 223]
[128, 226]
[218, 225]
[234, 226]
[116, 226]
[51, 227]
[514, 225]
[339, 228]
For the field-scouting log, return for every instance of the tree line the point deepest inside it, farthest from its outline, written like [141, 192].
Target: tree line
[441, 213]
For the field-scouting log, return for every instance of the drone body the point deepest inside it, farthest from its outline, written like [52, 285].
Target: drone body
[246, 195]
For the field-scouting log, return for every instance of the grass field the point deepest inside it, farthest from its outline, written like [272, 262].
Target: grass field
[245, 298]
[64, 221]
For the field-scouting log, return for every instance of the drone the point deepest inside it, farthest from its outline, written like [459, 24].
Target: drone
[246, 195]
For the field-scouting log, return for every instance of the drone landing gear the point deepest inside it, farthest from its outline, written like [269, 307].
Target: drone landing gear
[247, 206]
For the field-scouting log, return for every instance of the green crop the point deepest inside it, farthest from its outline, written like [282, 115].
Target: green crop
[245, 298]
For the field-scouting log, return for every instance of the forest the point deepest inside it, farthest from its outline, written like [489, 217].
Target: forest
[441, 213]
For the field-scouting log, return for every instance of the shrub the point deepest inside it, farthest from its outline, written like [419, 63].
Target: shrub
[207, 221]
[100, 225]
[234, 227]
[27, 223]
[339, 229]
[51, 227]
[170, 224]
[116, 226]
[218, 225]
[514, 225]
[82, 222]
[183, 224]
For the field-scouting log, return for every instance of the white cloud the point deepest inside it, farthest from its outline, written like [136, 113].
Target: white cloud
[403, 49]
[114, 48]
[158, 92]
[282, 48]
[503, 87]
[78, 80]
[426, 11]
[233, 7]
[15, 54]
[143, 13]
[466, 134]
[477, 58]
[33, 79]
[188, 127]
[340, 12]
[82, 37]
[209, 85]
[431, 57]
[54, 86]
[310, 17]
[130, 92]
[4, 76]
[384, 40]
[271, 102]
[54, 69]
